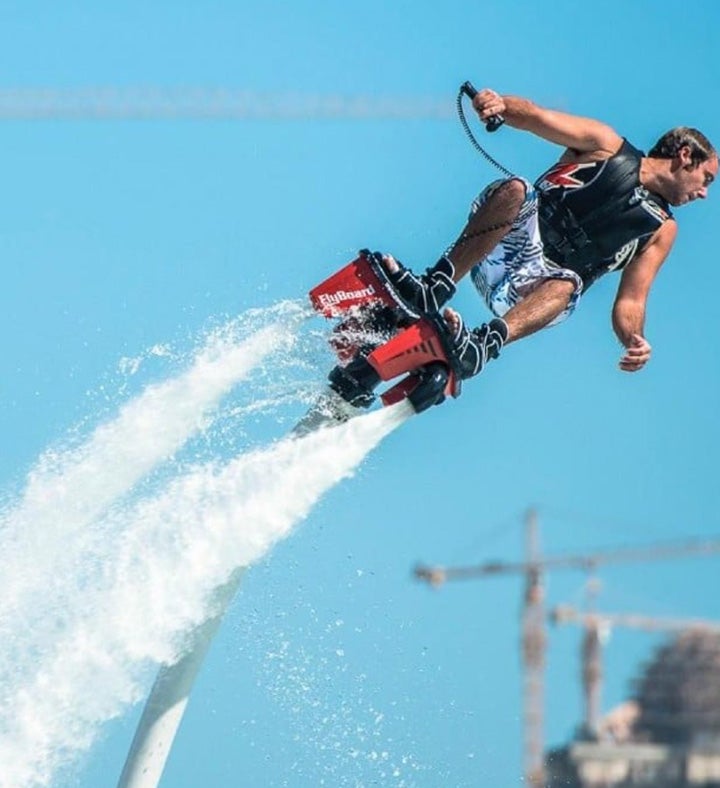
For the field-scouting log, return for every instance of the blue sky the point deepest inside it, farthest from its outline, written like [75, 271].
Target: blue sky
[121, 235]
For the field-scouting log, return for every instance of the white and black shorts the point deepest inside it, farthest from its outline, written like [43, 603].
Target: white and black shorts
[517, 265]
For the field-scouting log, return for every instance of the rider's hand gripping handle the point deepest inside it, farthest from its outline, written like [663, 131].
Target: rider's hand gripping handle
[494, 122]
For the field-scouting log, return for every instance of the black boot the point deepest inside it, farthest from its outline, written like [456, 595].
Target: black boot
[355, 382]
[428, 292]
[474, 348]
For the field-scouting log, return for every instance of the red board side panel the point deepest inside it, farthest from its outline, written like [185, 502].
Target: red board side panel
[351, 286]
[414, 347]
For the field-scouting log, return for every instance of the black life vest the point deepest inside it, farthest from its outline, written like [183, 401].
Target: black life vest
[596, 216]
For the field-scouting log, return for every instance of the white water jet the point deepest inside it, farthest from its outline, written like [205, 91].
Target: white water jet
[125, 581]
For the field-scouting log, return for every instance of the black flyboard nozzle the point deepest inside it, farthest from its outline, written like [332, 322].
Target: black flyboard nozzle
[494, 122]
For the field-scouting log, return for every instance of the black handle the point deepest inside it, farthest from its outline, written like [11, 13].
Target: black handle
[494, 122]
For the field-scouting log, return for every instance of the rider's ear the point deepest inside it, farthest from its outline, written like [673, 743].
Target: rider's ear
[685, 156]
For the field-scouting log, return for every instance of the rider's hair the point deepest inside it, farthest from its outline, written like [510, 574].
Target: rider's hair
[668, 146]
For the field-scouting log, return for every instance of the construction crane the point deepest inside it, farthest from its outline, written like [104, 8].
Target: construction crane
[591, 648]
[164, 103]
[533, 624]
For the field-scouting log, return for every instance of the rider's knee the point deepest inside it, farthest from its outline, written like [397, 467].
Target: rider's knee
[509, 195]
[562, 288]
[515, 190]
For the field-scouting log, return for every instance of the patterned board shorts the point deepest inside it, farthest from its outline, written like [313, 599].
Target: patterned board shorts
[517, 265]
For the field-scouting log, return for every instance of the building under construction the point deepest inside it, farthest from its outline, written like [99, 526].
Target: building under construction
[667, 736]
[661, 746]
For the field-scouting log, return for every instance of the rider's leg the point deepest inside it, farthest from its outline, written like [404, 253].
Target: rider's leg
[539, 308]
[487, 226]
[489, 223]
[475, 347]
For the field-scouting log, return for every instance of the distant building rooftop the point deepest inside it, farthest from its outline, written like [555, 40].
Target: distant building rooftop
[667, 737]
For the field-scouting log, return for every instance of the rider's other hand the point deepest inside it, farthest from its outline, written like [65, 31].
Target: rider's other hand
[636, 355]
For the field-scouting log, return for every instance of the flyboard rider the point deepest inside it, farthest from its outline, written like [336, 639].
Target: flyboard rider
[532, 250]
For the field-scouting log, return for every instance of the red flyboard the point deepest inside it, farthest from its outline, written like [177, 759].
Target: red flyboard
[361, 295]
[355, 284]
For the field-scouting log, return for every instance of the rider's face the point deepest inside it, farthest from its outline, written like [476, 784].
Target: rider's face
[693, 180]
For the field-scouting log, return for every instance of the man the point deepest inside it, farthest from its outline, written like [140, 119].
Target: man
[532, 250]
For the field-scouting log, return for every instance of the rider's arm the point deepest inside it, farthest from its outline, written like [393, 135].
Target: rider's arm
[571, 131]
[628, 315]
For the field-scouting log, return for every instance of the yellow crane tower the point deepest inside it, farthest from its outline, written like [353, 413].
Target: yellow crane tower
[533, 624]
